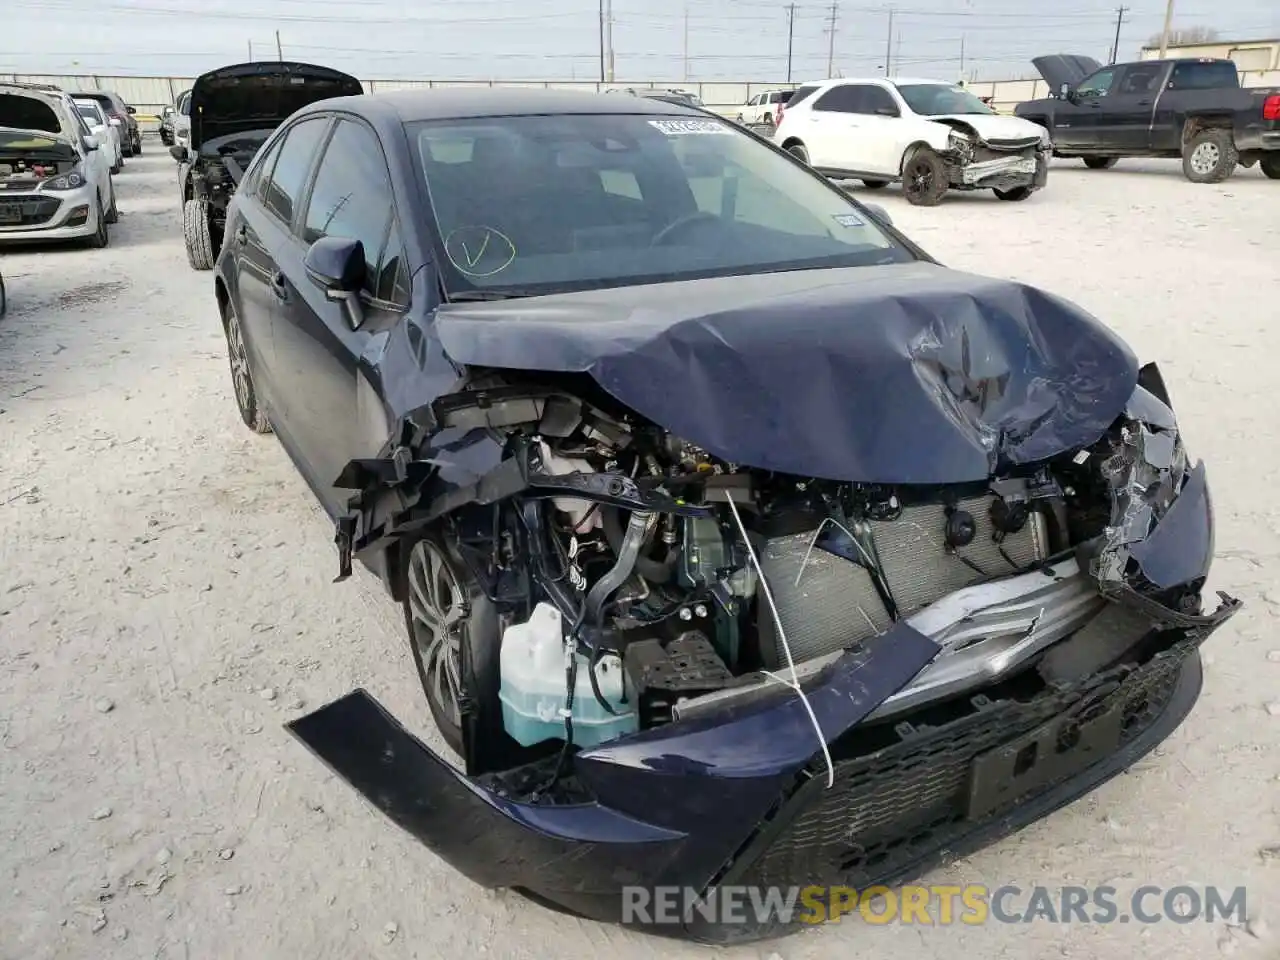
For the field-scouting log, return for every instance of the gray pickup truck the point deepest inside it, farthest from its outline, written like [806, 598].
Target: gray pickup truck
[1192, 109]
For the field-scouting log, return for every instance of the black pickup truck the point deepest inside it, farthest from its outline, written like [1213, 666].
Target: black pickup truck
[1193, 109]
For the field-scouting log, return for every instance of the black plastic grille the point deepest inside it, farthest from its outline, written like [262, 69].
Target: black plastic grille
[891, 807]
[34, 211]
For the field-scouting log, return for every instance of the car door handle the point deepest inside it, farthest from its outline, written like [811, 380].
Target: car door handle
[1144, 103]
[279, 287]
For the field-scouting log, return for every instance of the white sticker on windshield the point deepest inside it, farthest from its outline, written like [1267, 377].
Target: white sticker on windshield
[849, 220]
[674, 128]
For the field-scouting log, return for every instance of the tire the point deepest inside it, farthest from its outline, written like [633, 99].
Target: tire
[102, 236]
[113, 212]
[875, 184]
[1210, 156]
[798, 151]
[116, 169]
[435, 575]
[768, 119]
[1014, 195]
[924, 178]
[196, 233]
[1270, 166]
[251, 409]
[137, 147]
[127, 149]
[1100, 163]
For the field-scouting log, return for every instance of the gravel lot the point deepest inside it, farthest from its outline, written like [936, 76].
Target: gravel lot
[166, 605]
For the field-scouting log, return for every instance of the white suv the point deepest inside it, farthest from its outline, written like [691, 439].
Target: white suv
[764, 107]
[931, 136]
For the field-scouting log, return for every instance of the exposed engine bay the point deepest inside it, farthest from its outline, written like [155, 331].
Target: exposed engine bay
[28, 159]
[639, 579]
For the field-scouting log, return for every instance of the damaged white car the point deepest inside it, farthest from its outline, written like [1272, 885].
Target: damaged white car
[931, 136]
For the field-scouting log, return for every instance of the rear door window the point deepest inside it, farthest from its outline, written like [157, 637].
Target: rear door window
[803, 93]
[281, 191]
[1140, 79]
[1204, 76]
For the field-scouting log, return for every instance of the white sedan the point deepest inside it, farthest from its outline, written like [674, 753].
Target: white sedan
[104, 128]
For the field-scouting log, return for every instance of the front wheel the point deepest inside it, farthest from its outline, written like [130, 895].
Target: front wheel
[454, 635]
[1270, 166]
[875, 184]
[101, 236]
[924, 178]
[798, 151]
[1015, 194]
[251, 410]
[1100, 163]
[198, 236]
[1210, 156]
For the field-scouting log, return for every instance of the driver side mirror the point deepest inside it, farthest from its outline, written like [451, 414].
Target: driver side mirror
[178, 152]
[337, 266]
[1064, 92]
[131, 110]
[91, 143]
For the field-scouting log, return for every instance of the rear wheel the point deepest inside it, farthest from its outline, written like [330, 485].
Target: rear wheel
[1210, 156]
[198, 236]
[446, 612]
[924, 178]
[1015, 194]
[1270, 165]
[1100, 163]
[768, 119]
[251, 410]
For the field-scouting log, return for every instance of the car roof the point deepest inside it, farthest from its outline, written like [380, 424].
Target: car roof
[451, 103]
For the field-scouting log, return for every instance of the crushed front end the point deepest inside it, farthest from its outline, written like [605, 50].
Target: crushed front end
[795, 681]
[977, 163]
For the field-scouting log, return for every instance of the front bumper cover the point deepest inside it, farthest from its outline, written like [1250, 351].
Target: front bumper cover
[741, 797]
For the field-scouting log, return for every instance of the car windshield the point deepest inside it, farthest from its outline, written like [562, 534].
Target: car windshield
[546, 204]
[939, 99]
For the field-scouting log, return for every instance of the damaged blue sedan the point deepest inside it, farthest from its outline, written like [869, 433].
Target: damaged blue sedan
[739, 542]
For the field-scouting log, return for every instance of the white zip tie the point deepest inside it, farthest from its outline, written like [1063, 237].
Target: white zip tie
[794, 682]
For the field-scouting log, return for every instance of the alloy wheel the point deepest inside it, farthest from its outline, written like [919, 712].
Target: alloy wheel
[439, 616]
[239, 359]
[1205, 158]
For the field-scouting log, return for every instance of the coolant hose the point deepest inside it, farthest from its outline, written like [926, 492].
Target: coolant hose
[655, 571]
[628, 553]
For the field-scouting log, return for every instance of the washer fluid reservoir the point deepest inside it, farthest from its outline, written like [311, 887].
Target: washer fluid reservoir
[532, 687]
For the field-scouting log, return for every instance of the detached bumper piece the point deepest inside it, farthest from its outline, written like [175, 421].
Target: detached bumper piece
[724, 799]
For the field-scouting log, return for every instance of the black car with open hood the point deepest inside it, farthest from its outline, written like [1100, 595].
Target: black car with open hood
[233, 110]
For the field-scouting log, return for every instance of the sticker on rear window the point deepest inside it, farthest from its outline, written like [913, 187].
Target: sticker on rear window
[849, 220]
[674, 128]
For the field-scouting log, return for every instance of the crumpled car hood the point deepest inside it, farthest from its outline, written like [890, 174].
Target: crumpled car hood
[907, 374]
[992, 127]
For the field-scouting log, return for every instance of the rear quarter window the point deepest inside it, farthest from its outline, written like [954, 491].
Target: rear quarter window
[804, 93]
[1212, 75]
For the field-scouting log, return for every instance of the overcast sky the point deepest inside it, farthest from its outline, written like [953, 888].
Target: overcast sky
[559, 39]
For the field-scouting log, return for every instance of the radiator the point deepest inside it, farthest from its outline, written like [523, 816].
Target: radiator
[835, 602]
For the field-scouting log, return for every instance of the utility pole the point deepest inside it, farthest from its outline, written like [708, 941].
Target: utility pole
[791, 35]
[888, 47]
[251, 51]
[1164, 34]
[831, 40]
[1115, 49]
[608, 35]
[279, 49]
[962, 58]
[686, 41]
[602, 41]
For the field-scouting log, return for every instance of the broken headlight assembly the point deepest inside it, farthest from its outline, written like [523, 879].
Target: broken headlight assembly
[960, 145]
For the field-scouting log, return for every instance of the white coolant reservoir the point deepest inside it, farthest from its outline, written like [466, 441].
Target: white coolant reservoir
[532, 687]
